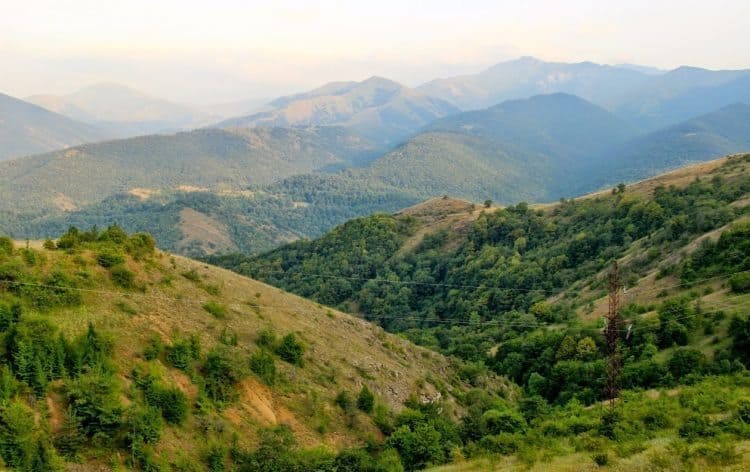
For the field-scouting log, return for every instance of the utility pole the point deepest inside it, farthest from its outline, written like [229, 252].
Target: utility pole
[611, 334]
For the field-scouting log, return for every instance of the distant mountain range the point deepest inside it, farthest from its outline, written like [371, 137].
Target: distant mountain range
[647, 97]
[120, 111]
[378, 108]
[312, 160]
[28, 129]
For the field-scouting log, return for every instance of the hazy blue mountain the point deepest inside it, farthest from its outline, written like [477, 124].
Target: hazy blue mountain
[683, 94]
[28, 129]
[122, 111]
[527, 76]
[377, 108]
[722, 132]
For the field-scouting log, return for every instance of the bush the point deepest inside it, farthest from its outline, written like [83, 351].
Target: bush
[263, 365]
[365, 400]
[140, 245]
[182, 353]
[740, 283]
[290, 350]
[686, 360]
[109, 259]
[122, 276]
[696, 426]
[502, 421]
[94, 400]
[418, 448]
[143, 425]
[16, 433]
[267, 339]
[216, 309]
[6, 246]
[221, 374]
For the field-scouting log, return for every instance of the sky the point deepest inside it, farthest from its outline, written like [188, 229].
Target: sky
[216, 51]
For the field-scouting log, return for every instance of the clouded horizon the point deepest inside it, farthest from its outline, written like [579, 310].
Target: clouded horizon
[225, 50]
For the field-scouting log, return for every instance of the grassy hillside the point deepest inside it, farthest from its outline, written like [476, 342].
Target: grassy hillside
[115, 354]
[27, 129]
[521, 291]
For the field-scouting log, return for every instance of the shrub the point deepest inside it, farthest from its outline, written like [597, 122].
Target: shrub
[154, 348]
[696, 426]
[113, 234]
[344, 400]
[216, 309]
[743, 411]
[109, 258]
[418, 448]
[502, 421]
[143, 425]
[267, 339]
[16, 433]
[94, 400]
[49, 245]
[740, 283]
[122, 276]
[181, 353]
[290, 350]
[6, 246]
[686, 360]
[221, 374]
[263, 365]
[365, 400]
[140, 245]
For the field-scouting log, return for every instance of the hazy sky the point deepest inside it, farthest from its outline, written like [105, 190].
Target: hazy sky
[223, 50]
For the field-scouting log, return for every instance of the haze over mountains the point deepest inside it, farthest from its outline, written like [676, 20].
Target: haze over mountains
[531, 130]
[378, 108]
[29, 129]
[121, 111]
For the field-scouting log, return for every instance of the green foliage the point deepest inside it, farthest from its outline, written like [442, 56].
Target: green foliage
[263, 365]
[16, 435]
[6, 246]
[686, 360]
[122, 276]
[142, 425]
[94, 400]
[183, 352]
[221, 373]
[109, 258]
[365, 400]
[290, 349]
[739, 330]
[170, 401]
[740, 283]
[216, 309]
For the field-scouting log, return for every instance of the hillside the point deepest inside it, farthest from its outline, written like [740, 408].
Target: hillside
[28, 129]
[682, 94]
[527, 76]
[165, 362]
[511, 289]
[378, 108]
[214, 159]
[722, 132]
[122, 111]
